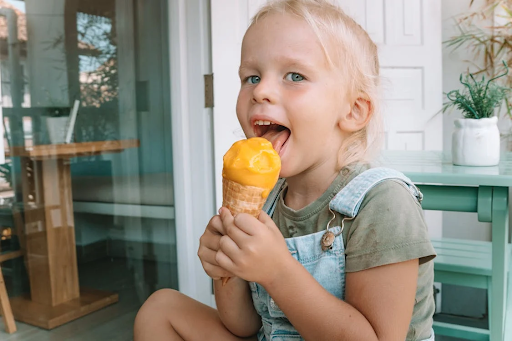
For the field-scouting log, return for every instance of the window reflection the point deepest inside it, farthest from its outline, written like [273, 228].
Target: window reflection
[86, 187]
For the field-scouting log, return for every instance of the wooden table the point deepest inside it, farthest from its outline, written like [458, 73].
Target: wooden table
[484, 190]
[50, 253]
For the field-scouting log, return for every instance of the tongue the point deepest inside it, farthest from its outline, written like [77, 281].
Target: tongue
[277, 138]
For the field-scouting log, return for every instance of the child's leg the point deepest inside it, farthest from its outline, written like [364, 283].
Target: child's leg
[169, 315]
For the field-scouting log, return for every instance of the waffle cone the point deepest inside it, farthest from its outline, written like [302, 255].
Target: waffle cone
[242, 199]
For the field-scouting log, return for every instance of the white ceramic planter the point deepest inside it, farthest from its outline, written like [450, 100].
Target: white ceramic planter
[57, 127]
[476, 142]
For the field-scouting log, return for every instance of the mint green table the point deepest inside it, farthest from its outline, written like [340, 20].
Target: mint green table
[469, 189]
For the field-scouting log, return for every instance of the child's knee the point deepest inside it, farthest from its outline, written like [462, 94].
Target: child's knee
[162, 298]
[157, 305]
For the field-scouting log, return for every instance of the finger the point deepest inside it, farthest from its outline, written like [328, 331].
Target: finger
[236, 233]
[269, 223]
[224, 261]
[265, 219]
[215, 225]
[229, 247]
[226, 217]
[247, 223]
[215, 271]
[207, 255]
[210, 240]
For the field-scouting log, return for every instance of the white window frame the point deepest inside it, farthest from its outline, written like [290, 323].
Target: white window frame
[192, 139]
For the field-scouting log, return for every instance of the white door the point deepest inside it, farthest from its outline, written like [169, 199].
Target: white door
[408, 34]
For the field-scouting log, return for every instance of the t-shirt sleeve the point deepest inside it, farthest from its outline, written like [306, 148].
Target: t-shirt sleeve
[389, 228]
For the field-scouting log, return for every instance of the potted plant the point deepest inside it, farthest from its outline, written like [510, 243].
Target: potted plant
[486, 32]
[476, 138]
[56, 123]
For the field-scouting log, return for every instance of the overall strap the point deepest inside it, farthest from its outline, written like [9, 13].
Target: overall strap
[349, 199]
[270, 204]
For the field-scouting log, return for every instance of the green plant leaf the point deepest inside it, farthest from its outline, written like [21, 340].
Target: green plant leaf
[478, 98]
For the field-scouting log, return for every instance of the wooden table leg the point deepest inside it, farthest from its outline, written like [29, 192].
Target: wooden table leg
[5, 307]
[499, 262]
[50, 248]
[49, 229]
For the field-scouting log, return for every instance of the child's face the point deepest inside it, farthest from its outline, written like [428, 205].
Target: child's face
[286, 79]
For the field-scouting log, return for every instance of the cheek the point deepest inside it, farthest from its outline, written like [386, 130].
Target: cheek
[311, 104]
[241, 105]
[242, 112]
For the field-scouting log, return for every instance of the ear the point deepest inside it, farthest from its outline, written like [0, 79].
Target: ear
[358, 116]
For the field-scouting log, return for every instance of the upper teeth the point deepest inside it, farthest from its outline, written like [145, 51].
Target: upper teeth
[263, 123]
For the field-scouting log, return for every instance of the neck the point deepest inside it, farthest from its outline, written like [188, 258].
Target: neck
[305, 188]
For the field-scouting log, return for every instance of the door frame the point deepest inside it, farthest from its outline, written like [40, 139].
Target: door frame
[192, 139]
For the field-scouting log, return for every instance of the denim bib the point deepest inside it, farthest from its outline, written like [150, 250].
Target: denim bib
[327, 267]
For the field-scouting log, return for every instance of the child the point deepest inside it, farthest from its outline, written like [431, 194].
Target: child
[355, 264]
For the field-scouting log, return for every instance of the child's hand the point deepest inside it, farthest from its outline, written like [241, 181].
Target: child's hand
[209, 244]
[252, 249]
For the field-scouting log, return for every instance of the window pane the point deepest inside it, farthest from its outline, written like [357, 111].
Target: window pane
[86, 189]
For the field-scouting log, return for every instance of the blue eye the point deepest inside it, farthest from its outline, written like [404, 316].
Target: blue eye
[253, 79]
[294, 77]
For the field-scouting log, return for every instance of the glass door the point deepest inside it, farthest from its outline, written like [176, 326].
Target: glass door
[87, 183]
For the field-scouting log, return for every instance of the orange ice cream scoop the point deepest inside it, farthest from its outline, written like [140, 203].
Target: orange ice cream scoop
[251, 169]
[252, 162]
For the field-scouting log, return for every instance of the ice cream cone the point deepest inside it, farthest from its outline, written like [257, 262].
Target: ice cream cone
[251, 169]
[239, 198]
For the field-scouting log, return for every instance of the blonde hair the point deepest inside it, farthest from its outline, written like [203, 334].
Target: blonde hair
[355, 56]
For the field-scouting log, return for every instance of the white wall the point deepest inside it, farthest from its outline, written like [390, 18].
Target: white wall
[456, 224]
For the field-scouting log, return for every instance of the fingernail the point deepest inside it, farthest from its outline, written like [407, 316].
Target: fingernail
[219, 210]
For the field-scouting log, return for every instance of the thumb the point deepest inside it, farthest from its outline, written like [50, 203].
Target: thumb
[265, 219]
[225, 215]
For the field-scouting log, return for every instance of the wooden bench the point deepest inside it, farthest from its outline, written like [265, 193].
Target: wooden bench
[467, 263]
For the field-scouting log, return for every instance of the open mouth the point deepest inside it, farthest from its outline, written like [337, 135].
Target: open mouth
[275, 133]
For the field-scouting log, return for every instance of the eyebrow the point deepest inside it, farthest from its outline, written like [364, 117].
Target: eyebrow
[243, 67]
[289, 62]
[293, 62]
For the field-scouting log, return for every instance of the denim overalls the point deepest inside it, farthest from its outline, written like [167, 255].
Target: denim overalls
[327, 267]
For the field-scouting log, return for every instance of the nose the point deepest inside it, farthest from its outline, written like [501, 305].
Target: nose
[265, 91]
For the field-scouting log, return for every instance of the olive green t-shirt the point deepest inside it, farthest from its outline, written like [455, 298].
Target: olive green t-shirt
[389, 228]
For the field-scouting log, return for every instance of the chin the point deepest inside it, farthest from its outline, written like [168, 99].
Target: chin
[286, 172]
